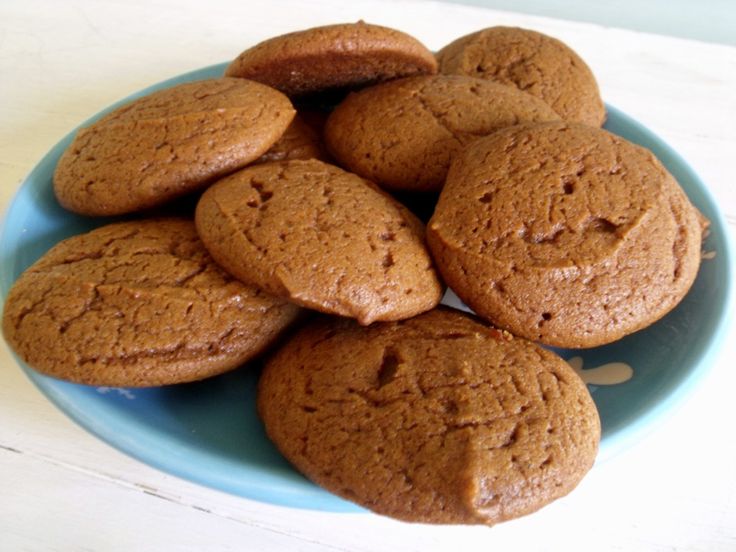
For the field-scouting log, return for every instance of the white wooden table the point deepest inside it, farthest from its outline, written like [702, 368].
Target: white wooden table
[62, 489]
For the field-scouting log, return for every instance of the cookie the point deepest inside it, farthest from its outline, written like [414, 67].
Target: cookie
[299, 141]
[333, 57]
[437, 419]
[137, 303]
[535, 63]
[320, 237]
[565, 234]
[168, 144]
[403, 134]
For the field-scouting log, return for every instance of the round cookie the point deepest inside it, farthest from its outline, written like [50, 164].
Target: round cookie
[320, 237]
[565, 234]
[137, 303]
[403, 134]
[535, 63]
[333, 57]
[299, 141]
[436, 419]
[168, 144]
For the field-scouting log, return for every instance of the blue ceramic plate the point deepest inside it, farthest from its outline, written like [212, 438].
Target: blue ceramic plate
[208, 432]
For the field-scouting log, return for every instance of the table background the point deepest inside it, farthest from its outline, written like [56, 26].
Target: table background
[62, 489]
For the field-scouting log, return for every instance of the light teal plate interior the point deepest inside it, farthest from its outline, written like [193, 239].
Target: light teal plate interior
[208, 432]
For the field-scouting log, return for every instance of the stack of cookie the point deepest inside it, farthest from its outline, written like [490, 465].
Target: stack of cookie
[313, 162]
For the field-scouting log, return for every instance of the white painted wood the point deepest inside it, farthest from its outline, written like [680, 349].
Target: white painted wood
[61, 489]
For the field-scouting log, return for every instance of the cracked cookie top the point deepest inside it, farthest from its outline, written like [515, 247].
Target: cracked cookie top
[319, 59]
[321, 237]
[436, 419]
[137, 303]
[403, 134]
[565, 234]
[533, 62]
[169, 143]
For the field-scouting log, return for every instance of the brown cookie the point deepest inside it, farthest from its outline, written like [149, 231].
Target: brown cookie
[403, 134]
[299, 141]
[564, 233]
[321, 237]
[341, 56]
[168, 144]
[137, 303]
[535, 63]
[437, 419]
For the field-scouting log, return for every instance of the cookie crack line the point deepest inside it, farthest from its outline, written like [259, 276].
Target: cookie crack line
[182, 351]
[86, 308]
[439, 118]
[31, 309]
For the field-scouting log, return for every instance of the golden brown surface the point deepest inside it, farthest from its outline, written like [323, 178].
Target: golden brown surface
[299, 141]
[169, 143]
[435, 419]
[403, 134]
[137, 303]
[535, 63]
[321, 237]
[347, 55]
[565, 234]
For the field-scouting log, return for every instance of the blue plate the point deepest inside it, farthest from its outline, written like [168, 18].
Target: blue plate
[209, 432]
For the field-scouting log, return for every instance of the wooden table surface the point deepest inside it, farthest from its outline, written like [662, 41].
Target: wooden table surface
[62, 489]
